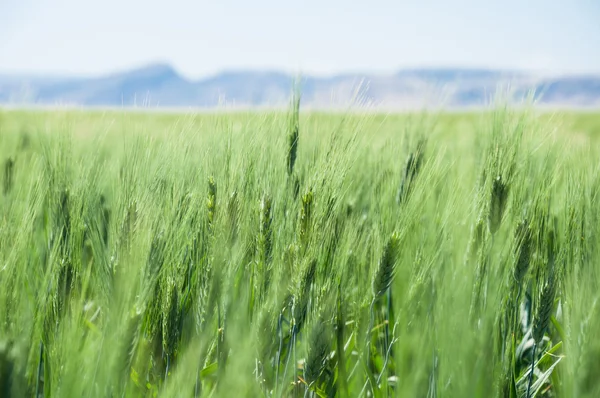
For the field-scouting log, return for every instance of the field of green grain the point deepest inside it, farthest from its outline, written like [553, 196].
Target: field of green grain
[275, 254]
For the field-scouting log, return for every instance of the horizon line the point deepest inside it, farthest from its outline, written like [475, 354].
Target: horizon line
[289, 72]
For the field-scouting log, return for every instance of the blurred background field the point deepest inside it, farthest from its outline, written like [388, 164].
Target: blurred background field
[116, 123]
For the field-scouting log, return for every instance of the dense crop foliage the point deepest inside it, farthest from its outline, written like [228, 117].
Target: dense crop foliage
[271, 254]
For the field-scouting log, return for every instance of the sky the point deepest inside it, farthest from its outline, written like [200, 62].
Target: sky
[322, 37]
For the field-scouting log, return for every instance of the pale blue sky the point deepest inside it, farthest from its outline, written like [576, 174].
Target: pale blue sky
[200, 38]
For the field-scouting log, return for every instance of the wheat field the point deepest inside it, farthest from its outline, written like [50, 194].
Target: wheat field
[299, 254]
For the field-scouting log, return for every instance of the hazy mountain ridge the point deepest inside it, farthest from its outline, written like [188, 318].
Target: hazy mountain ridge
[160, 85]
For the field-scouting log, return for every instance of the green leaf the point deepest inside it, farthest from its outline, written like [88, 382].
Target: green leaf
[546, 359]
[558, 327]
[543, 378]
[209, 370]
[535, 387]
[320, 392]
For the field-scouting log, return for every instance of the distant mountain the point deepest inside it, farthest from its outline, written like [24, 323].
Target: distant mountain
[159, 85]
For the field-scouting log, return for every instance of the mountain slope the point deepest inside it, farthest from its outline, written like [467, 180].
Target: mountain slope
[159, 85]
